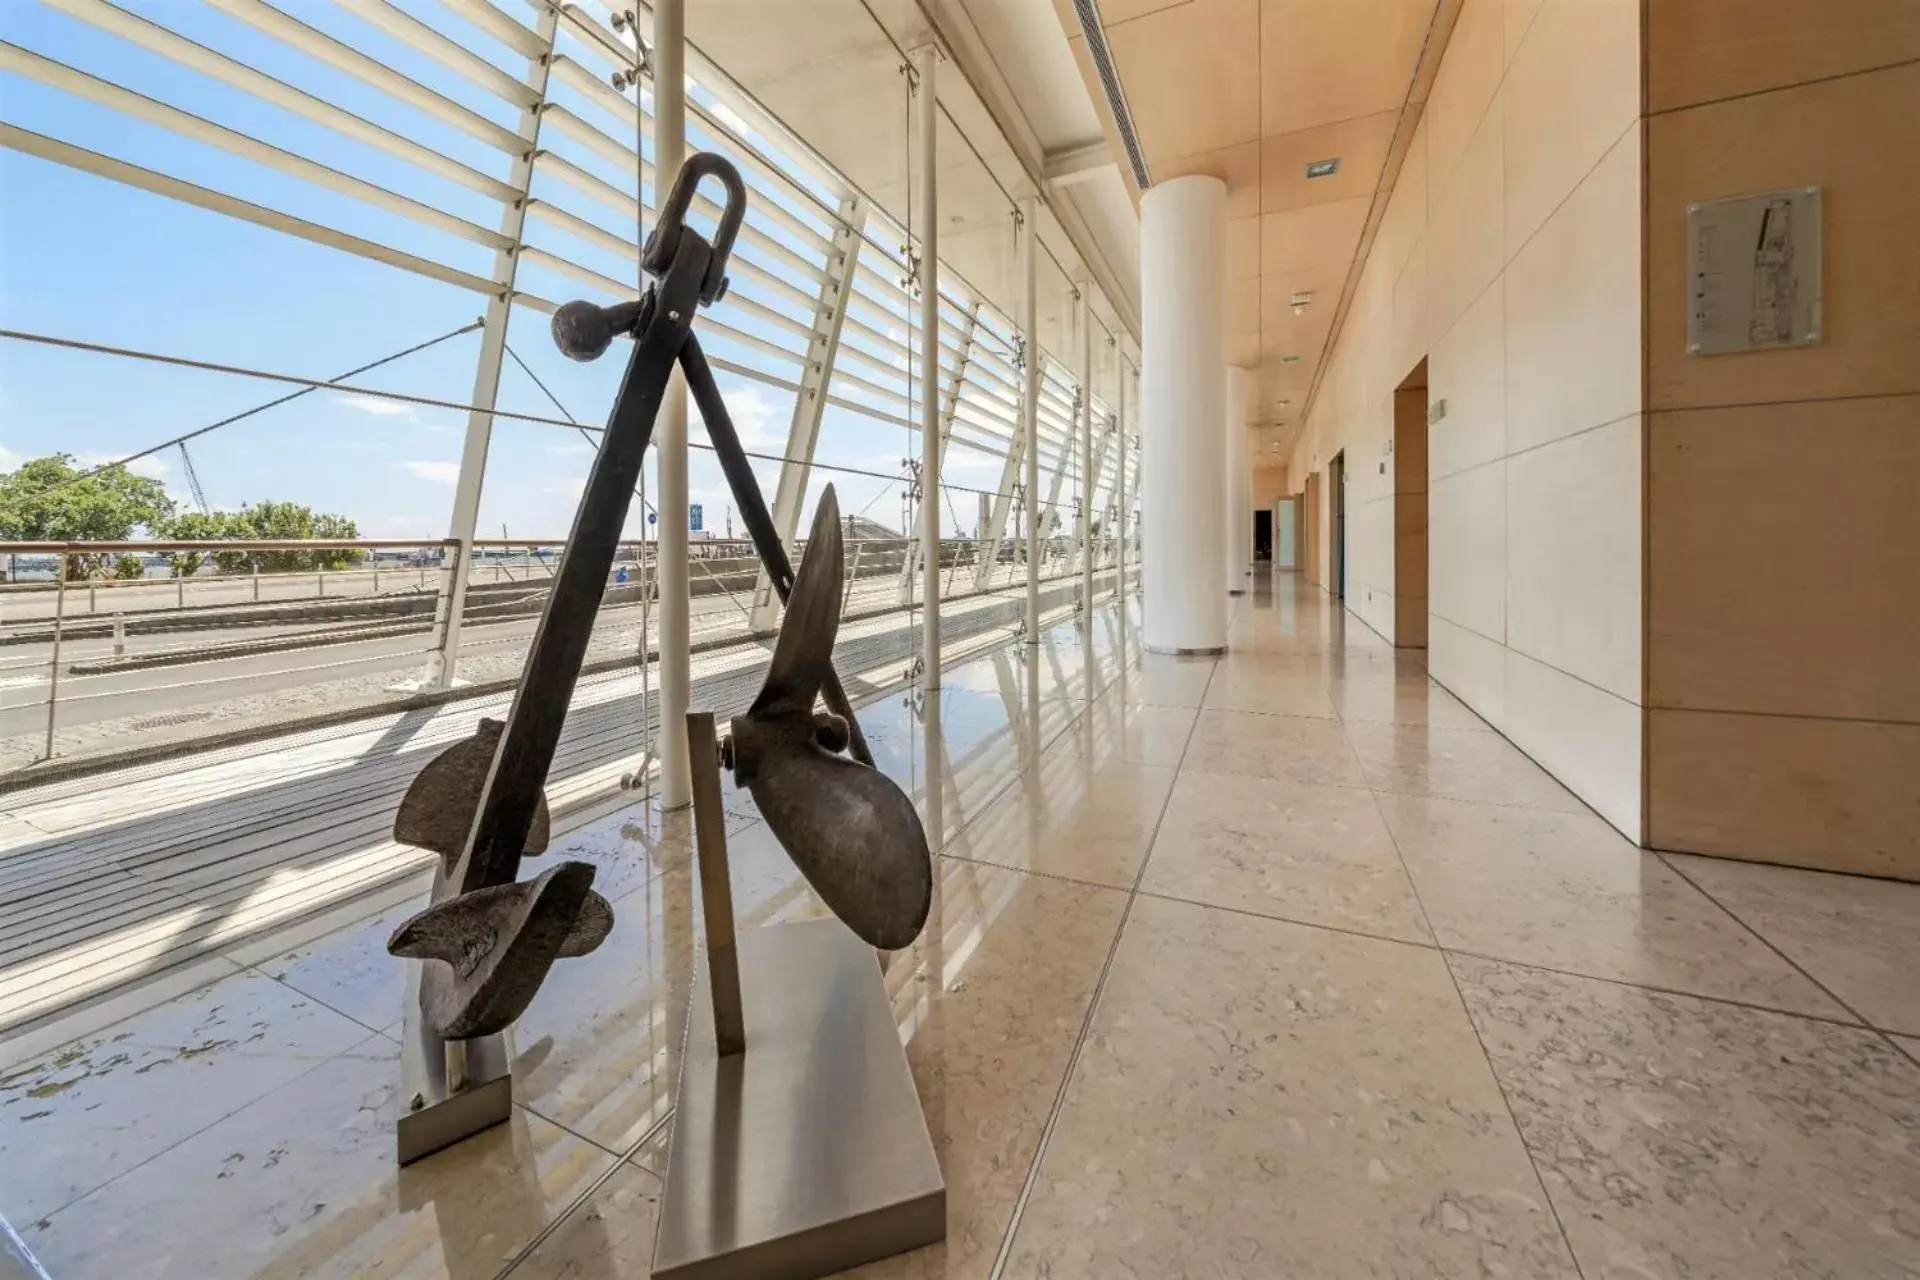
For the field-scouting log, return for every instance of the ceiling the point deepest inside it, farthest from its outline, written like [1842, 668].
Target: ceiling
[830, 70]
[1252, 91]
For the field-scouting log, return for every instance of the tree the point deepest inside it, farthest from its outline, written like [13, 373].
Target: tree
[51, 500]
[260, 522]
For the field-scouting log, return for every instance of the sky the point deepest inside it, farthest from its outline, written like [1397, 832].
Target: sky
[84, 257]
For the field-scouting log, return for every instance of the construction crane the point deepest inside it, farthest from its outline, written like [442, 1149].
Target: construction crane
[193, 480]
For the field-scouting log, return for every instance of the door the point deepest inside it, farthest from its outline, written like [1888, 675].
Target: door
[1337, 567]
[1263, 535]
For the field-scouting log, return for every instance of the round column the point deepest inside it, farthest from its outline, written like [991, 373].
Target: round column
[1239, 481]
[1183, 242]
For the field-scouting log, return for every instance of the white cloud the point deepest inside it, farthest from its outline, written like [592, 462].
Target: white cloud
[376, 406]
[9, 460]
[438, 472]
[567, 450]
[151, 467]
[752, 415]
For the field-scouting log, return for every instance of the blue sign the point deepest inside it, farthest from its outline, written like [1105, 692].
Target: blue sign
[693, 517]
[653, 517]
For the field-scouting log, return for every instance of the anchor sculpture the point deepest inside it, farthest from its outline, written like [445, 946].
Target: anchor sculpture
[850, 829]
[488, 939]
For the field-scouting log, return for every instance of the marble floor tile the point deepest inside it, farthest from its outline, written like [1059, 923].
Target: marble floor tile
[81, 1115]
[1566, 891]
[609, 1234]
[1170, 681]
[302, 1182]
[1319, 855]
[1073, 817]
[1265, 1099]
[1269, 693]
[989, 1045]
[1134, 734]
[1400, 699]
[1291, 749]
[1858, 937]
[1680, 1137]
[1455, 764]
[349, 970]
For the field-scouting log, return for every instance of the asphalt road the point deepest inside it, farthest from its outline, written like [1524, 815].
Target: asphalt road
[161, 690]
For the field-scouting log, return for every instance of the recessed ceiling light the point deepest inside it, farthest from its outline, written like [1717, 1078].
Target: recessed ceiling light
[1300, 302]
[1323, 168]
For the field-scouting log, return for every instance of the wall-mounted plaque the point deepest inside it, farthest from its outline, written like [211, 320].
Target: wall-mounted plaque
[1753, 272]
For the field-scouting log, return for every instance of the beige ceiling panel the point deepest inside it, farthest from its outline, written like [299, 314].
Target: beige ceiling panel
[1243, 248]
[1243, 307]
[1113, 12]
[1320, 235]
[1192, 76]
[1360, 145]
[1329, 60]
[1238, 167]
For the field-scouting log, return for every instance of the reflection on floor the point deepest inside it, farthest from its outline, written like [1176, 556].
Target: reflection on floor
[1280, 965]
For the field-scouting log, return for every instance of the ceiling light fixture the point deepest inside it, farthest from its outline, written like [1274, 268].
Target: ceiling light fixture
[1323, 168]
[1300, 302]
[1289, 359]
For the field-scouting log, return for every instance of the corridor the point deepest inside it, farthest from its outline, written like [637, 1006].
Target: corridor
[1277, 965]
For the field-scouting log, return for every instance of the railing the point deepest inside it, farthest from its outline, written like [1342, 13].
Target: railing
[94, 666]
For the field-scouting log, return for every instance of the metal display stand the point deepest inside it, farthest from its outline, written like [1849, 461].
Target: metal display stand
[799, 1145]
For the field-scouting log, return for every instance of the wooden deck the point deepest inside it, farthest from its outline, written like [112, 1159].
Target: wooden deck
[120, 878]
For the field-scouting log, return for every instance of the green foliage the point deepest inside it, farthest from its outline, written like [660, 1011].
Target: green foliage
[260, 522]
[51, 500]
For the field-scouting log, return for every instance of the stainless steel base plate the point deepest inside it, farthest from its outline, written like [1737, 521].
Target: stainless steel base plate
[808, 1154]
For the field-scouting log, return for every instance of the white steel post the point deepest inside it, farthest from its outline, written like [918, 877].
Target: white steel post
[670, 430]
[445, 654]
[829, 318]
[994, 534]
[949, 409]
[1083, 316]
[1030, 410]
[1120, 494]
[928, 108]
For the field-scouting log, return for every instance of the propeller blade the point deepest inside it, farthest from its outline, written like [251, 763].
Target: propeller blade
[494, 946]
[437, 811]
[803, 653]
[851, 830]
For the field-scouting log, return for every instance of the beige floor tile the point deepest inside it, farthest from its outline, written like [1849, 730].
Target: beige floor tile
[1320, 855]
[1565, 891]
[75, 1118]
[1265, 1099]
[1680, 1137]
[989, 1045]
[1271, 694]
[1288, 749]
[1859, 938]
[303, 1183]
[1169, 681]
[1133, 734]
[1078, 818]
[608, 1234]
[1455, 764]
[1402, 699]
[349, 970]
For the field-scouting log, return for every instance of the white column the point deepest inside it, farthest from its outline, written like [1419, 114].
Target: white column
[1239, 482]
[1083, 319]
[670, 428]
[1183, 233]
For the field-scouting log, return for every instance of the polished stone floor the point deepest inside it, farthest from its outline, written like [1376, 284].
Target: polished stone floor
[1282, 965]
